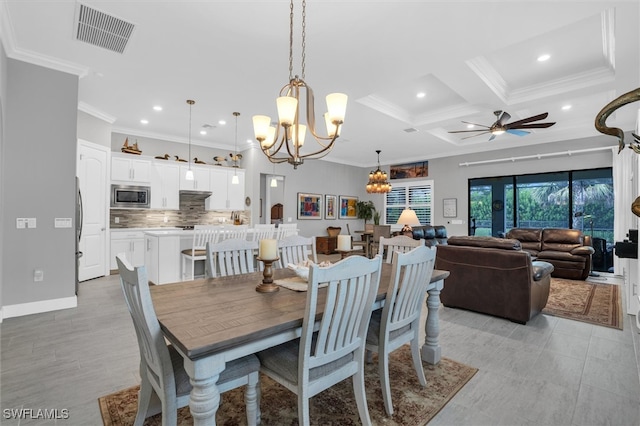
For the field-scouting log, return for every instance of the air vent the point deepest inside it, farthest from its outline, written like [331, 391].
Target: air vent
[411, 130]
[102, 30]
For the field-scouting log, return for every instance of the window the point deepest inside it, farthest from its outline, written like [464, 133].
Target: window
[417, 195]
[581, 199]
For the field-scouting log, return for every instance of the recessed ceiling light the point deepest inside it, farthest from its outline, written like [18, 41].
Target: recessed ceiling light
[203, 132]
[143, 121]
[566, 107]
[222, 122]
[421, 95]
[157, 108]
[544, 57]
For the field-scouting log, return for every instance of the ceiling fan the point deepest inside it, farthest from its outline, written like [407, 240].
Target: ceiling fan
[501, 126]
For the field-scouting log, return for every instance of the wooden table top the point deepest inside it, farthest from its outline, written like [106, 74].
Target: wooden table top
[206, 316]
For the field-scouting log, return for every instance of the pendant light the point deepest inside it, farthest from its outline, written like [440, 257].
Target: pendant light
[235, 180]
[189, 175]
[378, 183]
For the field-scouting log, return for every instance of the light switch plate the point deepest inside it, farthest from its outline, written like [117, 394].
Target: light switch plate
[62, 222]
[31, 222]
[21, 223]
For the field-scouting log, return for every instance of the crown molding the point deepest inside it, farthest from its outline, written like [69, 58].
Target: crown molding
[84, 107]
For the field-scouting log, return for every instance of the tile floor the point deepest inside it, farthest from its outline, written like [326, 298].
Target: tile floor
[549, 372]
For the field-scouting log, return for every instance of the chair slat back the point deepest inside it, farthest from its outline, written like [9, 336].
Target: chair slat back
[154, 354]
[233, 232]
[406, 292]
[203, 234]
[400, 243]
[230, 257]
[264, 231]
[296, 249]
[352, 285]
[286, 229]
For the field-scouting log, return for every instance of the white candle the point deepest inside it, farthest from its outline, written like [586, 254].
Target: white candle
[344, 242]
[268, 249]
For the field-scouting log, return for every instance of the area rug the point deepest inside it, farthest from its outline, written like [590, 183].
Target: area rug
[413, 405]
[585, 301]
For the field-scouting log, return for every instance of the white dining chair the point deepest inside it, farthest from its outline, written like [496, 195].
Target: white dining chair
[318, 360]
[264, 231]
[162, 367]
[401, 243]
[398, 322]
[296, 249]
[202, 234]
[231, 232]
[230, 257]
[285, 229]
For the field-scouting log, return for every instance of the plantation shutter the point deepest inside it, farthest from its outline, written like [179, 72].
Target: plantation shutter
[417, 195]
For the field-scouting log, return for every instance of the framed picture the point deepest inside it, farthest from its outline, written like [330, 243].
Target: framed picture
[330, 206]
[409, 170]
[309, 206]
[348, 207]
[450, 207]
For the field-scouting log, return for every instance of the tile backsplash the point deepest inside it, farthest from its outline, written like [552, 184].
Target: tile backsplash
[192, 212]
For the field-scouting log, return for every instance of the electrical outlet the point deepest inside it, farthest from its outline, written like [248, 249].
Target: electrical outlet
[38, 275]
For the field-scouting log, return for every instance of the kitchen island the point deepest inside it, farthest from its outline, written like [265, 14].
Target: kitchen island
[163, 249]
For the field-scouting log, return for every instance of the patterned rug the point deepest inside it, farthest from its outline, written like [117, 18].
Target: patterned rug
[585, 301]
[413, 405]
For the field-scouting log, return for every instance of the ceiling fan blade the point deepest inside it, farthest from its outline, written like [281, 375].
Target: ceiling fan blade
[467, 131]
[473, 136]
[475, 124]
[492, 137]
[532, 126]
[517, 132]
[504, 118]
[529, 119]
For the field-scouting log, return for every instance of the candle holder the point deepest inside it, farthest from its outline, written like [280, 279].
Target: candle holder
[267, 285]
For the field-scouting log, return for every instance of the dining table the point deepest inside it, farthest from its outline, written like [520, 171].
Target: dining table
[215, 320]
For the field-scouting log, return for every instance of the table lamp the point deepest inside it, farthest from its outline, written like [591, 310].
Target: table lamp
[407, 219]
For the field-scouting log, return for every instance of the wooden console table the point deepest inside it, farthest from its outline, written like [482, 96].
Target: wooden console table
[326, 245]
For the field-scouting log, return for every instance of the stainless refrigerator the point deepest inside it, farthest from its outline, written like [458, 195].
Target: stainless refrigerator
[78, 230]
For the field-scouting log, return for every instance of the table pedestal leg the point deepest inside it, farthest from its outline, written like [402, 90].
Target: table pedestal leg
[205, 395]
[431, 351]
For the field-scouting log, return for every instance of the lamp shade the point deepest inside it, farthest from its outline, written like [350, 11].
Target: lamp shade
[408, 217]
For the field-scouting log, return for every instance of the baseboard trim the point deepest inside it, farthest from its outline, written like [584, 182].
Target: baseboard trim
[11, 311]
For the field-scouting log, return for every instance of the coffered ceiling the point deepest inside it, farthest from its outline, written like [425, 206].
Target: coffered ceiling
[467, 58]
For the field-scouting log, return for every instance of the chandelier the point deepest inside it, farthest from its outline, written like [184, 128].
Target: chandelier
[378, 183]
[290, 132]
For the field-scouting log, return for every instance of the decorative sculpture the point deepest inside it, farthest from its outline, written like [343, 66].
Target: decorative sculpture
[601, 126]
[605, 112]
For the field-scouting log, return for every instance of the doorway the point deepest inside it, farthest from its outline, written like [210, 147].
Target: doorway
[272, 196]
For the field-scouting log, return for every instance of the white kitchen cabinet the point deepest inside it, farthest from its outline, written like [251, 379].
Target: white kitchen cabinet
[129, 168]
[129, 242]
[201, 178]
[224, 194]
[165, 186]
[162, 258]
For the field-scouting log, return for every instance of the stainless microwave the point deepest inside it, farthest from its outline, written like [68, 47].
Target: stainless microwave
[130, 197]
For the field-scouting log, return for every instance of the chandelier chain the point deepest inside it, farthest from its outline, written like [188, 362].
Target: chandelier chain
[291, 41]
[304, 34]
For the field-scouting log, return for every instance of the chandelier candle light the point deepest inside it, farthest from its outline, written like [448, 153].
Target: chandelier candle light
[189, 175]
[290, 132]
[378, 182]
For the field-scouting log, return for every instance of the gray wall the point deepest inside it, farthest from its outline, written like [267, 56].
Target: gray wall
[3, 104]
[39, 181]
[93, 129]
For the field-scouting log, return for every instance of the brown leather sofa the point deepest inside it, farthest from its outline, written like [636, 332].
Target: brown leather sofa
[493, 276]
[432, 235]
[568, 250]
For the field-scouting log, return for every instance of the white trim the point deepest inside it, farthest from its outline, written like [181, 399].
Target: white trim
[10, 311]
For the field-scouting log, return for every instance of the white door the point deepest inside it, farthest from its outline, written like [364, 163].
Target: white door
[93, 172]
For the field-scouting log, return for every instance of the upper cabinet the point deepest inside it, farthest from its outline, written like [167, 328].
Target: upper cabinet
[130, 169]
[165, 186]
[226, 195]
[200, 180]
